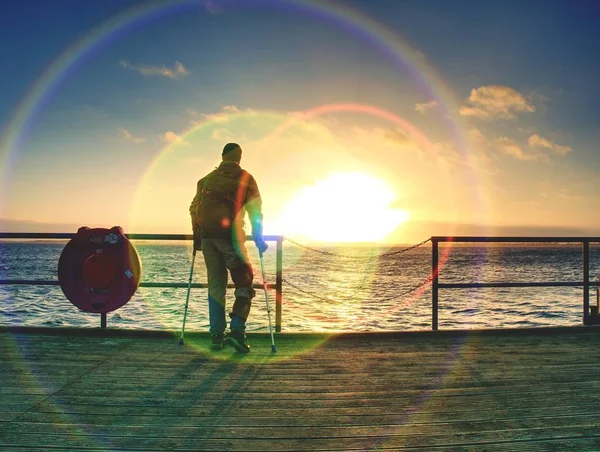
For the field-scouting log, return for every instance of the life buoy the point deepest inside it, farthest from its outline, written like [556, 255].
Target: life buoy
[99, 269]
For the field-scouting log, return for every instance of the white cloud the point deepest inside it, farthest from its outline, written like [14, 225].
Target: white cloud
[422, 108]
[129, 137]
[474, 111]
[494, 101]
[173, 138]
[221, 116]
[211, 117]
[178, 70]
[222, 134]
[536, 141]
[511, 147]
[231, 109]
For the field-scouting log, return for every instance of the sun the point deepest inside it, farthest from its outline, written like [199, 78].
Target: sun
[343, 207]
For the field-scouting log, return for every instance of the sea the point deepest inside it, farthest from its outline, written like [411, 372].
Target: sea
[325, 289]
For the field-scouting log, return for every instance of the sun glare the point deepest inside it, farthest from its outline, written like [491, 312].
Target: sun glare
[344, 207]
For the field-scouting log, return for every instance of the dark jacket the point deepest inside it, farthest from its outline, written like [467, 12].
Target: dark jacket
[222, 198]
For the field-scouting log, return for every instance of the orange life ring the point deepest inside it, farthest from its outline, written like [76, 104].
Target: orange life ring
[99, 269]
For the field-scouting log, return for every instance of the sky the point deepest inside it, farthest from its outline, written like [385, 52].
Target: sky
[378, 121]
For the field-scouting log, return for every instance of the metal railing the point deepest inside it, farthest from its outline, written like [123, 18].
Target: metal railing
[171, 237]
[435, 272]
[586, 283]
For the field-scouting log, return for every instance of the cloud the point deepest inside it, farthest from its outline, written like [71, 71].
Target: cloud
[422, 108]
[474, 111]
[222, 134]
[231, 109]
[511, 147]
[477, 136]
[536, 141]
[397, 135]
[178, 70]
[528, 130]
[221, 116]
[192, 112]
[129, 137]
[173, 138]
[494, 101]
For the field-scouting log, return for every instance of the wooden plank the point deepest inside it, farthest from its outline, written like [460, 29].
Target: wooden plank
[167, 399]
[264, 440]
[525, 391]
[323, 419]
[310, 408]
[418, 414]
[221, 427]
[267, 391]
[458, 367]
[560, 445]
[6, 416]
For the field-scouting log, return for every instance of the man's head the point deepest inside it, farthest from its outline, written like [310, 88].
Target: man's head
[232, 152]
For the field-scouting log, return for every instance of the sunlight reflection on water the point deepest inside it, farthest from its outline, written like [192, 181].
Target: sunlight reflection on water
[358, 292]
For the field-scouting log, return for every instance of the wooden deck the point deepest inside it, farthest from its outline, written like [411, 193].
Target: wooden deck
[470, 391]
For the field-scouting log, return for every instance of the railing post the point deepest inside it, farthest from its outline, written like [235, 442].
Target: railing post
[434, 284]
[586, 282]
[278, 284]
[103, 320]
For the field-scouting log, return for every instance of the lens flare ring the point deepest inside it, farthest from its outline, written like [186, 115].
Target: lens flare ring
[13, 139]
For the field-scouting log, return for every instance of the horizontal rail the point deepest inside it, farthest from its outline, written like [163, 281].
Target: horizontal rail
[27, 282]
[515, 284]
[69, 235]
[278, 286]
[586, 284]
[41, 282]
[508, 239]
[51, 282]
[196, 285]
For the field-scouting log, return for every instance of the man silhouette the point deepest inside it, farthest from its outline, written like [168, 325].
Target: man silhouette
[222, 198]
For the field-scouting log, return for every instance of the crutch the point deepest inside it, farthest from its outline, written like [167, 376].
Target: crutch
[262, 268]
[187, 298]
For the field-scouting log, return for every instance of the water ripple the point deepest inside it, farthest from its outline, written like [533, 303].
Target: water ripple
[349, 295]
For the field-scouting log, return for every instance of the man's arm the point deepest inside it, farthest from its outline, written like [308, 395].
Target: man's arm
[194, 213]
[253, 205]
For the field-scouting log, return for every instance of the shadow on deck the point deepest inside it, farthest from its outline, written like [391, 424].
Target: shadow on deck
[76, 389]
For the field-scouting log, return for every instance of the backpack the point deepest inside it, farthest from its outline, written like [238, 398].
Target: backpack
[220, 201]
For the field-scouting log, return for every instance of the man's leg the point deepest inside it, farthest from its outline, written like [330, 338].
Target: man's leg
[236, 259]
[216, 271]
[242, 277]
[237, 262]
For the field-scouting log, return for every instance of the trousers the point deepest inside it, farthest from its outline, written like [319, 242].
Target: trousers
[223, 257]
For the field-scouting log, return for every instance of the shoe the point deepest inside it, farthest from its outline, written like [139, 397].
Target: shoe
[238, 341]
[217, 341]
